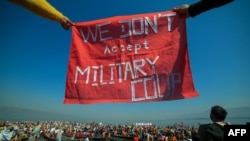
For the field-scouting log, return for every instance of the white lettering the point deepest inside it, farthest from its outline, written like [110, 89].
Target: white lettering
[95, 68]
[128, 68]
[114, 49]
[133, 92]
[169, 23]
[93, 35]
[145, 43]
[141, 31]
[235, 132]
[101, 76]
[134, 68]
[137, 67]
[103, 31]
[107, 50]
[145, 88]
[78, 69]
[153, 25]
[176, 79]
[137, 47]
[156, 87]
[231, 132]
[243, 131]
[152, 64]
[129, 32]
[122, 48]
[120, 71]
[129, 27]
[112, 73]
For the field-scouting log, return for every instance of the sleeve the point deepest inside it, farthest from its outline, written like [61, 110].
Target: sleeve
[209, 133]
[205, 5]
[41, 8]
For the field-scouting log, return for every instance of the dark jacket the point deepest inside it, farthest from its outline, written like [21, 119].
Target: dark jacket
[205, 5]
[215, 132]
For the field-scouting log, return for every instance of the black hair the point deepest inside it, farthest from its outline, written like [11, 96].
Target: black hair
[218, 112]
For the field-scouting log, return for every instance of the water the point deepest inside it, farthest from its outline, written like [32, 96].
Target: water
[187, 121]
[195, 122]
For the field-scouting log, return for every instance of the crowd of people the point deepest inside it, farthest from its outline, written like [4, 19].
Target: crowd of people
[57, 130]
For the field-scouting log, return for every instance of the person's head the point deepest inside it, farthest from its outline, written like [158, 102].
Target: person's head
[218, 113]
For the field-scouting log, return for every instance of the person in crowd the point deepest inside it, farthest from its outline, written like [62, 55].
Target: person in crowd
[46, 10]
[200, 7]
[7, 133]
[215, 131]
[172, 137]
[194, 134]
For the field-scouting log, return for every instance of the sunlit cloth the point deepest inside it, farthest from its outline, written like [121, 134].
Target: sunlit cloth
[35, 6]
[6, 135]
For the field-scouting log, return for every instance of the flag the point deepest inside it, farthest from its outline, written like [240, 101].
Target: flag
[134, 58]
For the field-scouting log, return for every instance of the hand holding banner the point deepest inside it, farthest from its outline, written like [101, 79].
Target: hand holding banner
[136, 58]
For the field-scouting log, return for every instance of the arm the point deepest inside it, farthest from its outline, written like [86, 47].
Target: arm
[44, 9]
[209, 134]
[205, 5]
[200, 7]
[214, 132]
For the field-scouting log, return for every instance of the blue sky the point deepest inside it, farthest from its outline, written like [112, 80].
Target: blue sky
[34, 58]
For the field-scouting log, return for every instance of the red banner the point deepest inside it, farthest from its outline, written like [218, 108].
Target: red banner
[135, 58]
